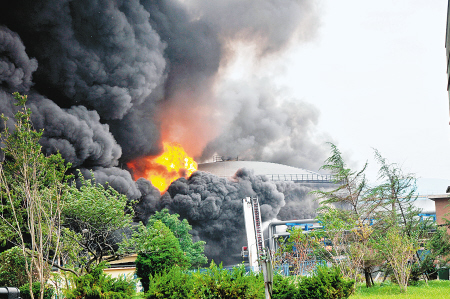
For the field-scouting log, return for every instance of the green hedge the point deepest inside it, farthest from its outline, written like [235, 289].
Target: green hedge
[216, 282]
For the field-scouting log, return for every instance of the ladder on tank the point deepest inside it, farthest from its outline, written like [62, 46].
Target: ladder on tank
[257, 223]
[257, 254]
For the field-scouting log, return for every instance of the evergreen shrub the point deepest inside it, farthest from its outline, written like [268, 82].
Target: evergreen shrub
[215, 282]
[98, 285]
[325, 283]
[174, 284]
[283, 287]
[25, 291]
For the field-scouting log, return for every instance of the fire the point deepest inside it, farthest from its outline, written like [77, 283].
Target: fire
[162, 170]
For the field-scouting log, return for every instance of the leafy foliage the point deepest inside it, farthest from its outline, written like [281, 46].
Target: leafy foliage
[12, 268]
[297, 251]
[399, 250]
[218, 282]
[357, 216]
[215, 282]
[325, 283]
[193, 251]
[36, 287]
[352, 186]
[284, 287]
[98, 285]
[174, 284]
[94, 214]
[343, 242]
[31, 188]
[439, 246]
[160, 252]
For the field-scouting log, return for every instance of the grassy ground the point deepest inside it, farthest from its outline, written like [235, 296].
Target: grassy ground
[436, 289]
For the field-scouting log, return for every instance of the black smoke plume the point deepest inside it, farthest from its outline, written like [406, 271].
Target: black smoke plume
[213, 206]
[103, 76]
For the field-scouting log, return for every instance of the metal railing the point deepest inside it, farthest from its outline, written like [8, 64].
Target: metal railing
[302, 178]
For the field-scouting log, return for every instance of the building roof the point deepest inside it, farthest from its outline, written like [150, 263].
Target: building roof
[439, 196]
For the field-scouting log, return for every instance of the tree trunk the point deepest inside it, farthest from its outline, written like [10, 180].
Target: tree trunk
[368, 276]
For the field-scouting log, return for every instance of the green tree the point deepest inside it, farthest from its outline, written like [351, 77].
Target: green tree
[218, 282]
[342, 242]
[31, 188]
[181, 229]
[399, 250]
[397, 195]
[396, 192]
[356, 206]
[95, 215]
[387, 205]
[352, 189]
[158, 252]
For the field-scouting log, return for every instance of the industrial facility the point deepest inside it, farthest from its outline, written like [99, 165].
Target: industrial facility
[273, 171]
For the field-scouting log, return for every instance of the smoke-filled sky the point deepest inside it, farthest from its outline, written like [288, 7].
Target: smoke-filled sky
[267, 80]
[108, 81]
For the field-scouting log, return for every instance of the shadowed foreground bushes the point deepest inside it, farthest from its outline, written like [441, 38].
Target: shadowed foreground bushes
[216, 282]
[325, 283]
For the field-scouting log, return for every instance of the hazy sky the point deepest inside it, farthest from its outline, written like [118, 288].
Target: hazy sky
[376, 71]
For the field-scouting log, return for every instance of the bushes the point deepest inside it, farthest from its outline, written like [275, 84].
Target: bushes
[283, 287]
[12, 268]
[215, 282]
[222, 283]
[325, 283]
[25, 291]
[98, 285]
[176, 284]
[13, 272]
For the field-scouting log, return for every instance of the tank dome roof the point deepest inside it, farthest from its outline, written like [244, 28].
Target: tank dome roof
[229, 168]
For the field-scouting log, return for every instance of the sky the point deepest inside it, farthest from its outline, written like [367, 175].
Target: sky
[376, 71]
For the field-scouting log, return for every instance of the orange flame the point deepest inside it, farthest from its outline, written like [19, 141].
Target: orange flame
[162, 170]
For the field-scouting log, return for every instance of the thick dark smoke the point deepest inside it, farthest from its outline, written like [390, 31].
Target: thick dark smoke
[213, 206]
[103, 77]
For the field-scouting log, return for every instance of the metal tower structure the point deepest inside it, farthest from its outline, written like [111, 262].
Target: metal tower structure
[258, 258]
